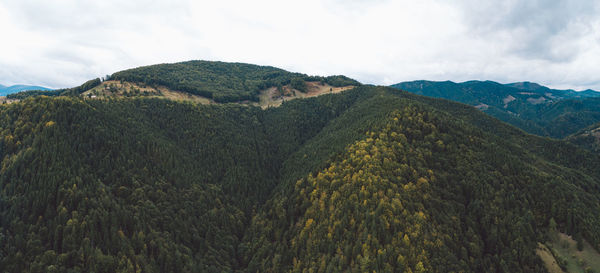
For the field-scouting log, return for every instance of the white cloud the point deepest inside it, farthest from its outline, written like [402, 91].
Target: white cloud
[66, 42]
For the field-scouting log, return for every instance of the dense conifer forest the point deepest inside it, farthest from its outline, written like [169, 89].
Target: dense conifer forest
[369, 180]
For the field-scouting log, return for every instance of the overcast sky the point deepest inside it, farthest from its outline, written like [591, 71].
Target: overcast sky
[63, 43]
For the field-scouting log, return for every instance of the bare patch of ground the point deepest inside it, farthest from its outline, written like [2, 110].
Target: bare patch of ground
[537, 100]
[5, 100]
[270, 97]
[507, 100]
[482, 106]
[125, 89]
[274, 97]
[544, 253]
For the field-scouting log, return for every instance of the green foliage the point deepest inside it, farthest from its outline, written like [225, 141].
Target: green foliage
[82, 88]
[579, 241]
[327, 222]
[562, 262]
[298, 84]
[32, 93]
[102, 187]
[367, 180]
[222, 82]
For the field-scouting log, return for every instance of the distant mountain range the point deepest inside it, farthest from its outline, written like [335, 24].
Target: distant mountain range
[532, 107]
[540, 89]
[5, 90]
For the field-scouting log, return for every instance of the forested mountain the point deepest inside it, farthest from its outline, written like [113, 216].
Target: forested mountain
[529, 106]
[370, 179]
[223, 82]
[216, 81]
[5, 90]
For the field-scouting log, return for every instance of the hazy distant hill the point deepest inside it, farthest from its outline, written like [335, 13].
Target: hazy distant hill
[556, 93]
[371, 179]
[529, 106]
[5, 90]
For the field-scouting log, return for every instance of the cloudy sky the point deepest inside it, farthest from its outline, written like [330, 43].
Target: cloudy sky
[63, 43]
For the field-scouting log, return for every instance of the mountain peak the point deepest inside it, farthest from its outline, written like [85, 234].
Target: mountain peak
[531, 86]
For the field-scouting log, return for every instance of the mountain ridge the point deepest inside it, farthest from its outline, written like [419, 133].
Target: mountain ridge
[207, 81]
[529, 106]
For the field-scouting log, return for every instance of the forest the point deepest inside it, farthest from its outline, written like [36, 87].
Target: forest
[222, 82]
[372, 179]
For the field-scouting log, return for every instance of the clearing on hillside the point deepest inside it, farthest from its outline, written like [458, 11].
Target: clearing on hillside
[273, 97]
[546, 255]
[270, 97]
[564, 249]
[127, 89]
[5, 100]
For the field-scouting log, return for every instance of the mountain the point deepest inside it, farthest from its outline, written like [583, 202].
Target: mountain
[222, 82]
[529, 106]
[368, 179]
[207, 82]
[5, 90]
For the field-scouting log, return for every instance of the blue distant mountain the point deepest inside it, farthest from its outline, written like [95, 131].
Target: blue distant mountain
[5, 90]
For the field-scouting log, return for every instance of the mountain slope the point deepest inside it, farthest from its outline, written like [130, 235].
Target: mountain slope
[529, 106]
[141, 183]
[588, 138]
[421, 191]
[369, 179]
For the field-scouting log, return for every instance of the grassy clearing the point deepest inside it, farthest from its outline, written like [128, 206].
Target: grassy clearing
[564, 248]
[124, 89]
[546, 255]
